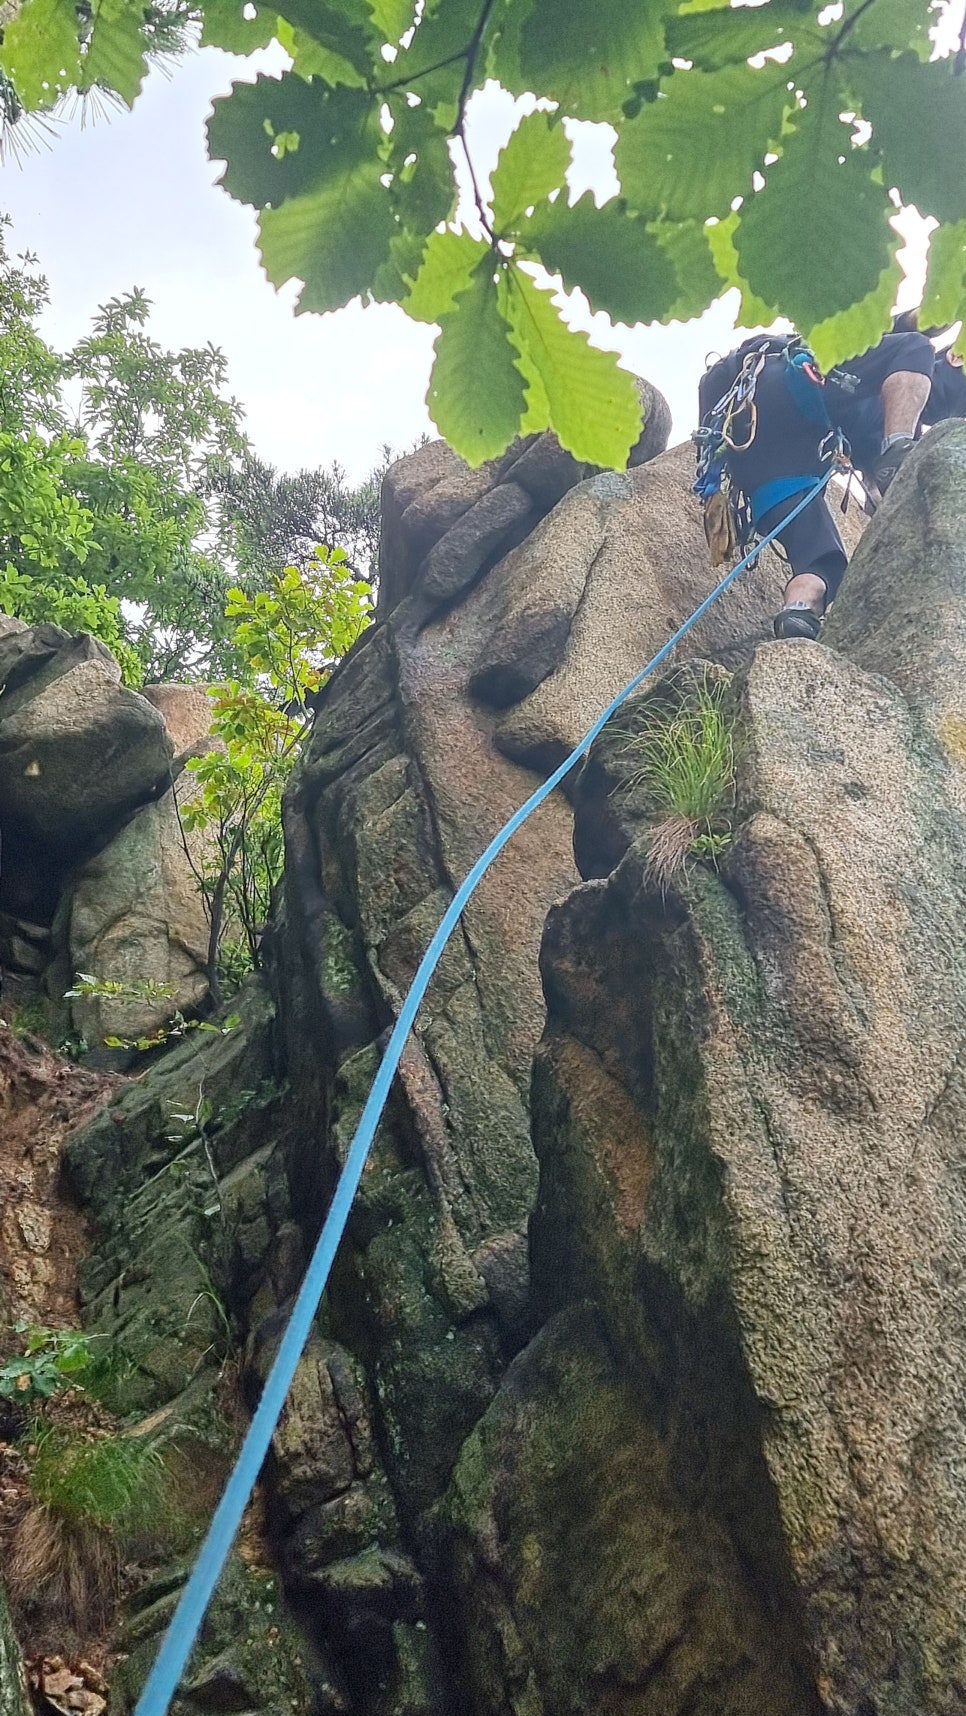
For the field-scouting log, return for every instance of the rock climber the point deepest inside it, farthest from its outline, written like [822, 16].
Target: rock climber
[770, 424]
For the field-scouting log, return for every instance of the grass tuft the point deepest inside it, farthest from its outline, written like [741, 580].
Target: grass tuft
[91, 1496]
[685, 761]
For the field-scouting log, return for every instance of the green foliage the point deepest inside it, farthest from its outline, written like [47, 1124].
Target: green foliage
[351, 158]
[684, 758]
[51, 1360]
[289, 637]
[114, 1483]
[88, 987]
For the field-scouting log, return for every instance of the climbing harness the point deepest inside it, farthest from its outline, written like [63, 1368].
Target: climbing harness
[731, 516]
[178, 1642]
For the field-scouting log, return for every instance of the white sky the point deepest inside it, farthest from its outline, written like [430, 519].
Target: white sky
[131, 200]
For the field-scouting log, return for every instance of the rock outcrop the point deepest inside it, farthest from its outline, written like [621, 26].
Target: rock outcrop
[639, 1383]
[97, 876]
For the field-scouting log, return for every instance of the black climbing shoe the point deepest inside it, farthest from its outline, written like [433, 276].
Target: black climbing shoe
[892, 458]
[798, 622]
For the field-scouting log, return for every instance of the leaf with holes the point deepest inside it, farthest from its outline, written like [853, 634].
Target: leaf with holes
[816, 239]
[611, 256]
[336, 236]
[589, 58]
[245, 126]
[689, 153]
[594, 407]
[40, 51]
[532, 164]
[729, 35]
[392, 18]
[424, 187]
[476, 394]
[925, 159]
[226, 26]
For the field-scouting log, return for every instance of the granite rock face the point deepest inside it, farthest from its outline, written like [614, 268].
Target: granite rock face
[746, 1111]
[639, 1383]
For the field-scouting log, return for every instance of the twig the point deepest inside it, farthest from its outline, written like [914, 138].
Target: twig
[472, 54]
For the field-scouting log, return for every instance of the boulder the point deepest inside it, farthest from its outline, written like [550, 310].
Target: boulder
[596, 590]
[902, 610]
[747, 1113]
[78, 754]
[187, 713]
[135, 913]
[436, 510]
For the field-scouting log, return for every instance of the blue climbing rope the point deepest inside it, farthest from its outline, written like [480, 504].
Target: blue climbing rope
[176, 1647]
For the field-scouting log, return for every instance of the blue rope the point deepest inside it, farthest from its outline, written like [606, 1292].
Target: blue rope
[176, 1647]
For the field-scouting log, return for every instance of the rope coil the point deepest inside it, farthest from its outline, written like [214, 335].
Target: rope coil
[185, 1624]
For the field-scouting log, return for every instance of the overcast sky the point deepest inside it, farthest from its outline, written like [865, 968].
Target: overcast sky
[131, 199]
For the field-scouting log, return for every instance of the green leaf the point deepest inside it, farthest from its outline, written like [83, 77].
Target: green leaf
[729, 35]
[610, 255]
[587, 57]
[392, 18]
[532, 164]
[224, 25]
[475, 393]
[889, 24]
[944, 300]
[862, 325]
[594, 407]
[685, 244]
[693, 150]
[245, 126]
[434, 64]
[335, 238]
[754, 312]
[332, 37]
[424, 185]
[918, 117]
[116, 56]
[448, 264]
[41, 52]
[816, 239]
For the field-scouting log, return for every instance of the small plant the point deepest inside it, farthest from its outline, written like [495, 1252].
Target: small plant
[52, 1359]
[31, 1018]
[92, 1495]
[686, 764]
[87, 987]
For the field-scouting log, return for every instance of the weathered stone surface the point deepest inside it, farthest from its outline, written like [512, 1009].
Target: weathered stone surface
[9, 625]
[626, 557]
[436, 510]
[746, 1108]
[78, 752]
[250, 1657]
[186, 710]
[135, 913]
[902, 610]
[423, 495]
[585, 1576]
[459, 556]
[14, 1699]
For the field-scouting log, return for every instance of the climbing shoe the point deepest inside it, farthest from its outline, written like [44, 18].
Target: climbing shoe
[798, 621]
[898, 449]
